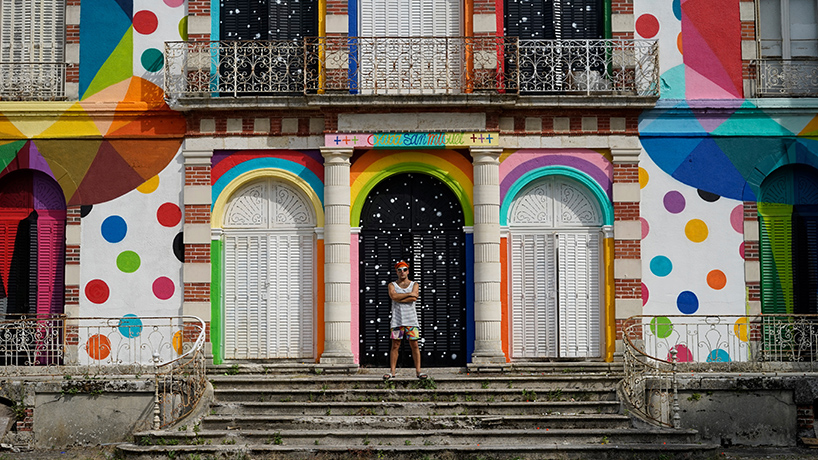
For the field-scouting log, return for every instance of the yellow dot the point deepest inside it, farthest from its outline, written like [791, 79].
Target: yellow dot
[178, 340]
[696, 230]
[741, 329]
[150, 185]
[643, 178]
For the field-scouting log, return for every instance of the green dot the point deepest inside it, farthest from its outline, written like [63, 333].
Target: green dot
[152, 60]
[128, 261]
[183, 28]
[661, 326]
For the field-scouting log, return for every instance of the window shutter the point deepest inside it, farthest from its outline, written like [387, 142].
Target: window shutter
[534, 302]
[776, 264]
[243, 20]
[529, 19]
[580, 19]
[578, 260]
[32, 31]
[51, 265]
[245, 294]
[805, 262]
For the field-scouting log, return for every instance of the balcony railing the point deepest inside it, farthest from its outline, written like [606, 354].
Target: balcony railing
[785, 78]
[410, 65]
[32, 81]
[658, 348]
[170, 348]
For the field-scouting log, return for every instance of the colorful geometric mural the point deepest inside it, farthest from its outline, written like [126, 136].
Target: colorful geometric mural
[227, 165]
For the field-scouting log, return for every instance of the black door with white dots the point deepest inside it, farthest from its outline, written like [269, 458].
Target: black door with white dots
[417, 218]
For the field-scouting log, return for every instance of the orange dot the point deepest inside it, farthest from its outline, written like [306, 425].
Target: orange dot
[679, 42]
[178, 340]
[716, 279]
[644, 177]
[98, 346]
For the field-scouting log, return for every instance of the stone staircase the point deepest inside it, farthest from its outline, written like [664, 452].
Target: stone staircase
[564, 410]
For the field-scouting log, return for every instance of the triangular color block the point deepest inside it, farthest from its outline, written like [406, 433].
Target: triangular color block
[9, 131]
[108, 177]
[712, 35]
[74, 123]
[9, 151]
[104, 24]
[708, 168]
[69, 159]
[147, 157]
[117, 67]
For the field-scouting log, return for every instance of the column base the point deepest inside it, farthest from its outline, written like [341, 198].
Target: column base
[336, 358]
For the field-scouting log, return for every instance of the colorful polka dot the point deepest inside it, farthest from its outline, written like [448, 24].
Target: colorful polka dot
[86, 209]
[679, 43]
[716, 279]
[707, 196]
[645, 227]
[130, 326]
[696, 230]
[647, 26]
[677, 9]
[128, 261]
[674, 202]
[98, 347]
[644, 177]
[97, 291]
[737, 218]
[163, 288]
[718, 356]
[645, 294]
[179, 246]
[174, 3]
[145, 22]
[178, 342]
[114, 229]
[687, 302]
[152, 60]
[661, 327]
[150, 185]
[169, 215]
[741, 249]
[183, 28]
[683, 354]
[742, 330]
[661, 266]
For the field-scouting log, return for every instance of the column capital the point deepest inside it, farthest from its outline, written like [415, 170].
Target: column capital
[337, 154]
[485, 154]
[197, 157]
[621, 156]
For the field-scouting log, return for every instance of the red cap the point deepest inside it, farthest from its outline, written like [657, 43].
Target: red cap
[400, 264]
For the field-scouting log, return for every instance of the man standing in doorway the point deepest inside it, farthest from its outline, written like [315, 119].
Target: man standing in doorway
[404, 294]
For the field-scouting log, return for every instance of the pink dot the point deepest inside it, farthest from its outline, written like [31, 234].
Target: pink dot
[174, 3]
[163, 288]
[145, 22]
[737, 218]
[647, 26]
[97, 291]
[169, 214]
[645, 294]
[674, 202]
[741, 249]
[683, 354]
[645, 227]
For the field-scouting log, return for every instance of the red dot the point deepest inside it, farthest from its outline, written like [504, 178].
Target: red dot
[145, 22]
[647, 26]
[163, 288]
[97, 291]
[741, 249]
[169, 214]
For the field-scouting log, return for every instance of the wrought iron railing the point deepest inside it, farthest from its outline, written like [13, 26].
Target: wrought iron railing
[170, 348]
[658, 347]
[410, 65]
[785, 77]
[32, 81]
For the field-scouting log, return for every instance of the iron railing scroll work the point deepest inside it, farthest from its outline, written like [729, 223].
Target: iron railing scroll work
[785, 77]
[32, 81]
[657, 349]
[170, 348]
[410, 66]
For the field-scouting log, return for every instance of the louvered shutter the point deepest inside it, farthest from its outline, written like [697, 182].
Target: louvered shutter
[243, 20]
[776, 264]
[529, 19]
[580, 19]
[290, 311]
[246, 294]
[8, 234]
[805, 260]
[534, 296]
[579, 307]
[51, 265]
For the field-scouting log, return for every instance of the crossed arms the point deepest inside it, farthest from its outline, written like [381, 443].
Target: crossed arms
[403, 298]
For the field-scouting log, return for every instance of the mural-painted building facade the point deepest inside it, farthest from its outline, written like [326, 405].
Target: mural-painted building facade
[549, 169]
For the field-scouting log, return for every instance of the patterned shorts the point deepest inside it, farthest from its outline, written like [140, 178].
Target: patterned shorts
[410, 332]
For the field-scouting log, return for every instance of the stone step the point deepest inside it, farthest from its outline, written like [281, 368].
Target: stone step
[255, 367]
[363, 438]
[416, 409]
[545, 382]
[280, 422]
[414, 395]
[607, 451]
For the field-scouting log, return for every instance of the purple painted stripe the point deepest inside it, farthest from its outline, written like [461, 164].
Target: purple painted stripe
[600, 176]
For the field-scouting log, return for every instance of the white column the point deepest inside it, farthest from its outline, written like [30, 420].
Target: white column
[337, 303]
[488, 347]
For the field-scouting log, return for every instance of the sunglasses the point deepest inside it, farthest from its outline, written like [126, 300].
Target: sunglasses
[403, 269]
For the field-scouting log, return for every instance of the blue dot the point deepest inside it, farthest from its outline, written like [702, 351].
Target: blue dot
[130, 326]
[718, 356]
[114, 229]
[687, 302]
[677, 9]
[661, 266]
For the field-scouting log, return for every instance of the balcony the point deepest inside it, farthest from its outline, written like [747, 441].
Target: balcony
[785, 77]
[425, 69]
[32, 81]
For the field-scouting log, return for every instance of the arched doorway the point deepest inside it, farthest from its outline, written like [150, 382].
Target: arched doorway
[555, 229]
[788, 220]
[32, 244]
[417, 218]
[269, 260]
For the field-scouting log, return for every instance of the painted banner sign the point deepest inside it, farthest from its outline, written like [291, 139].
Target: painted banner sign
[413, 140]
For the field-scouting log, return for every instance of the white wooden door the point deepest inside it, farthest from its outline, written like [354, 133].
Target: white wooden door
[269, 273]
[556, 302]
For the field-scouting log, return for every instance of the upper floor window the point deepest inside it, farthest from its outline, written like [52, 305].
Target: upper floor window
[554, 19]
[32, 42]
[788, 29]
[268, 19]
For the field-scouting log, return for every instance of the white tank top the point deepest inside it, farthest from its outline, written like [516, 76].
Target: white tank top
[403, 313]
